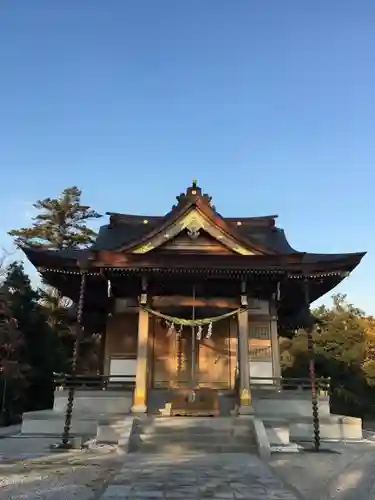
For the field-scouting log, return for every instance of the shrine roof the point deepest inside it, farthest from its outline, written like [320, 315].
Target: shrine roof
[259, 233]
[132, 229]
[250, 242]
[60, 268]
[72, 258]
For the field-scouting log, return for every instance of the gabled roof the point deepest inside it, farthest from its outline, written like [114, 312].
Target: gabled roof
[244, 235]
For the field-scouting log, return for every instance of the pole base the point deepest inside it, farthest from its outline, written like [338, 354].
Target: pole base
[62, 446]
[139, 409]
[75, 443]
[246, 410]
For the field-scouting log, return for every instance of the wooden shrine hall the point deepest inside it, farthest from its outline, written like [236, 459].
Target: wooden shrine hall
[190, 304]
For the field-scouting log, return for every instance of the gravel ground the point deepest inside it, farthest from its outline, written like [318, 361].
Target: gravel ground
[345, 473]
[30, 471]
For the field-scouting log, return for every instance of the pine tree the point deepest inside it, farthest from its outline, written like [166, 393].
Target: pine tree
[60, 223]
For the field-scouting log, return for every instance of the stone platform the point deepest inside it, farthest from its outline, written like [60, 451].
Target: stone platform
[282, 417]
[90, 407]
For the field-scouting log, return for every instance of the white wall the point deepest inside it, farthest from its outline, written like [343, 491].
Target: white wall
[261, 369]
[121, 366]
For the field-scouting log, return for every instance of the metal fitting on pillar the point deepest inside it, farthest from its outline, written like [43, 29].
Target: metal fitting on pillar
[244, 301]
[143, 297]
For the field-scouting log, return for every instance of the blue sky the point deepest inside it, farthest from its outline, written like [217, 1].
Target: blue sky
[269, 104]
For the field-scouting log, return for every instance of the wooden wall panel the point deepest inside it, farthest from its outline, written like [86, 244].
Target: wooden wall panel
[203, 244]
[162, 356]
[215, 357]
[121, 338]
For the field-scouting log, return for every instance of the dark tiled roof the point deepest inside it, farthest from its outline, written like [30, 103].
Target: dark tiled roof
[344, 260]
[271, 238]
[45, 258]
[114, 237]
[127, 229]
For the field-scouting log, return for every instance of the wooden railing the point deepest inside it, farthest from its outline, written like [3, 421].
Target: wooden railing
[260, 353]
[94, 382]
[322, 384]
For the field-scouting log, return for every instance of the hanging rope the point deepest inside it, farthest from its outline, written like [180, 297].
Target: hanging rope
[191, 322]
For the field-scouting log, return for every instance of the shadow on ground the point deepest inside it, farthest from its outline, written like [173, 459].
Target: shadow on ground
[344, 475]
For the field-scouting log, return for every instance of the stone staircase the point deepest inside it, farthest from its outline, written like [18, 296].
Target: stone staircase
[176, 435]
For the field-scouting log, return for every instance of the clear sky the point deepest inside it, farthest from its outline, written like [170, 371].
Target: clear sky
[269, 104]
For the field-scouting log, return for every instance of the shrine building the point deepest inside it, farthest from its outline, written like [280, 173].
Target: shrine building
[190, 305]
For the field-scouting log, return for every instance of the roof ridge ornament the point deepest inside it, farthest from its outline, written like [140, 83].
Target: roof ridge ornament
[193, 192]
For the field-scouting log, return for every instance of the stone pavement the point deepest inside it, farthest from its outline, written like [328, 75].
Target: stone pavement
[222, 476]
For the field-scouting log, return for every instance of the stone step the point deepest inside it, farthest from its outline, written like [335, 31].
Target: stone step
[203, 428]
[195, 431]
[181, 448]
[195, 425]
[111, 432]
[185, 434]
[193, 421]
[157, 438]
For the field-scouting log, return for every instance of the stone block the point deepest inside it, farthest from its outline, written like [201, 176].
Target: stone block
[261, 439]
[288, 406]
[336, 428]
[278, 434]
[98, 402]
[48, 422]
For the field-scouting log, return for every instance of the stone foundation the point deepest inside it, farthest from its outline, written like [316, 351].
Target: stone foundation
[103, 402]
[287, 404]
[89, 408]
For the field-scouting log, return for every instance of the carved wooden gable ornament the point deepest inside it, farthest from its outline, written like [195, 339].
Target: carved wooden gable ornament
[195, 217]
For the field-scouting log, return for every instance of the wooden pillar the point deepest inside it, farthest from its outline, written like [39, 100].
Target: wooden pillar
[243, 363]
[140, 393]
[275, 345]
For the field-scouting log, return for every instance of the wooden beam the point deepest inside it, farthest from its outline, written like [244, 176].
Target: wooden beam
[183, 301]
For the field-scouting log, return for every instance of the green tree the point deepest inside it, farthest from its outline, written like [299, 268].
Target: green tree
[42, 350]
[59, 223]
[340, 353]
[369, 359]
[13, 369]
